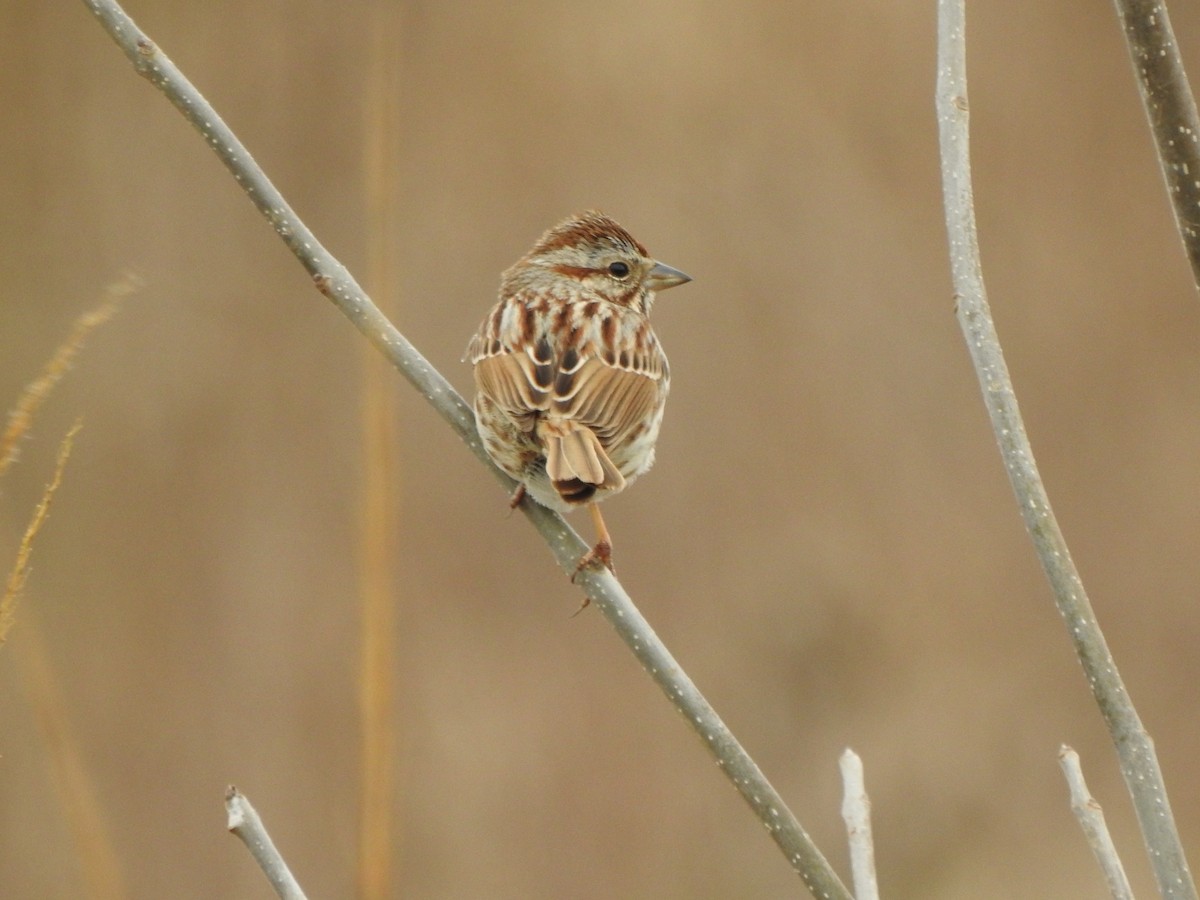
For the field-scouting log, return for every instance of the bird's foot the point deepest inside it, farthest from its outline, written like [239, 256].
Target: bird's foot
[601, 553]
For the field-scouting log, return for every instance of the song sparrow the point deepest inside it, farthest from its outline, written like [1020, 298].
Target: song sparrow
[570, 379]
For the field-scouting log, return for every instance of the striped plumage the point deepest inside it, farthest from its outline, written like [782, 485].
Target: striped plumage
[571, 380]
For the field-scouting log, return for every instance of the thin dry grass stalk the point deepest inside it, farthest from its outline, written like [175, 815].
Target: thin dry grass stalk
[15, 583]
[20, 419]
[378, 839]
[100, 868]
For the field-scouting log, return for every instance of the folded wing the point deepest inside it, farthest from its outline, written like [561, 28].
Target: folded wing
[579, 405]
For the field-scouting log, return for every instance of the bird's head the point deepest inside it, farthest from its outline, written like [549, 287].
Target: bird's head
[589, 256]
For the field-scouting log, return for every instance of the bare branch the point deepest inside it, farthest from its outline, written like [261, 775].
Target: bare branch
[1139, 764]
[333, 279]
[856, 812]
[1091, 820]
[1171, 110]
[244, 822]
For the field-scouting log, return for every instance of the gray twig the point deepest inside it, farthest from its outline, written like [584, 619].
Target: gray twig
[243, 821]
[1171, 109]
[1139, 764]
[335, 281]
[1091, 820]
[856, 812]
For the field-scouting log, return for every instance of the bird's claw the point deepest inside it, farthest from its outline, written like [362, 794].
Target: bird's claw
[601, 553]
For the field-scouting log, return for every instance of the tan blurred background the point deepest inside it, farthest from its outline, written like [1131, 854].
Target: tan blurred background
[828, 542]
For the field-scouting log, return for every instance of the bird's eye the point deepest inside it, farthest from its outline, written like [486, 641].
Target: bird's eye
[618, 269]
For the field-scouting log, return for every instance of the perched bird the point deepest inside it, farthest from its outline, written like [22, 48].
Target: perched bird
[570, 379]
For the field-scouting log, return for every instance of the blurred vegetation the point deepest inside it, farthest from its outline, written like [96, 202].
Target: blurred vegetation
[828, 541]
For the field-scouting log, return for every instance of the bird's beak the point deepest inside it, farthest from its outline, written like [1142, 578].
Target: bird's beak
[662, 277]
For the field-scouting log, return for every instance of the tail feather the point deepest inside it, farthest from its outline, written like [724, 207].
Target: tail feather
[577, 463]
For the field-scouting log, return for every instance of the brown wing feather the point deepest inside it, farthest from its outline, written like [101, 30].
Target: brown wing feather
[610, 401]
[510, 380]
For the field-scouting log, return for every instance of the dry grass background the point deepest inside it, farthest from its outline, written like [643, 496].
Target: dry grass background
[828, 544]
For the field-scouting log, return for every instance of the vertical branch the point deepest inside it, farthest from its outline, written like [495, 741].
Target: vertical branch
[856, 812]
[1171, 110]
[1139, 764]
[1091, 819]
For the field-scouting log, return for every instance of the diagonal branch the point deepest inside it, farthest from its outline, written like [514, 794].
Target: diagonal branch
[1139, 764]
[336, 282]
[1171, 109]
